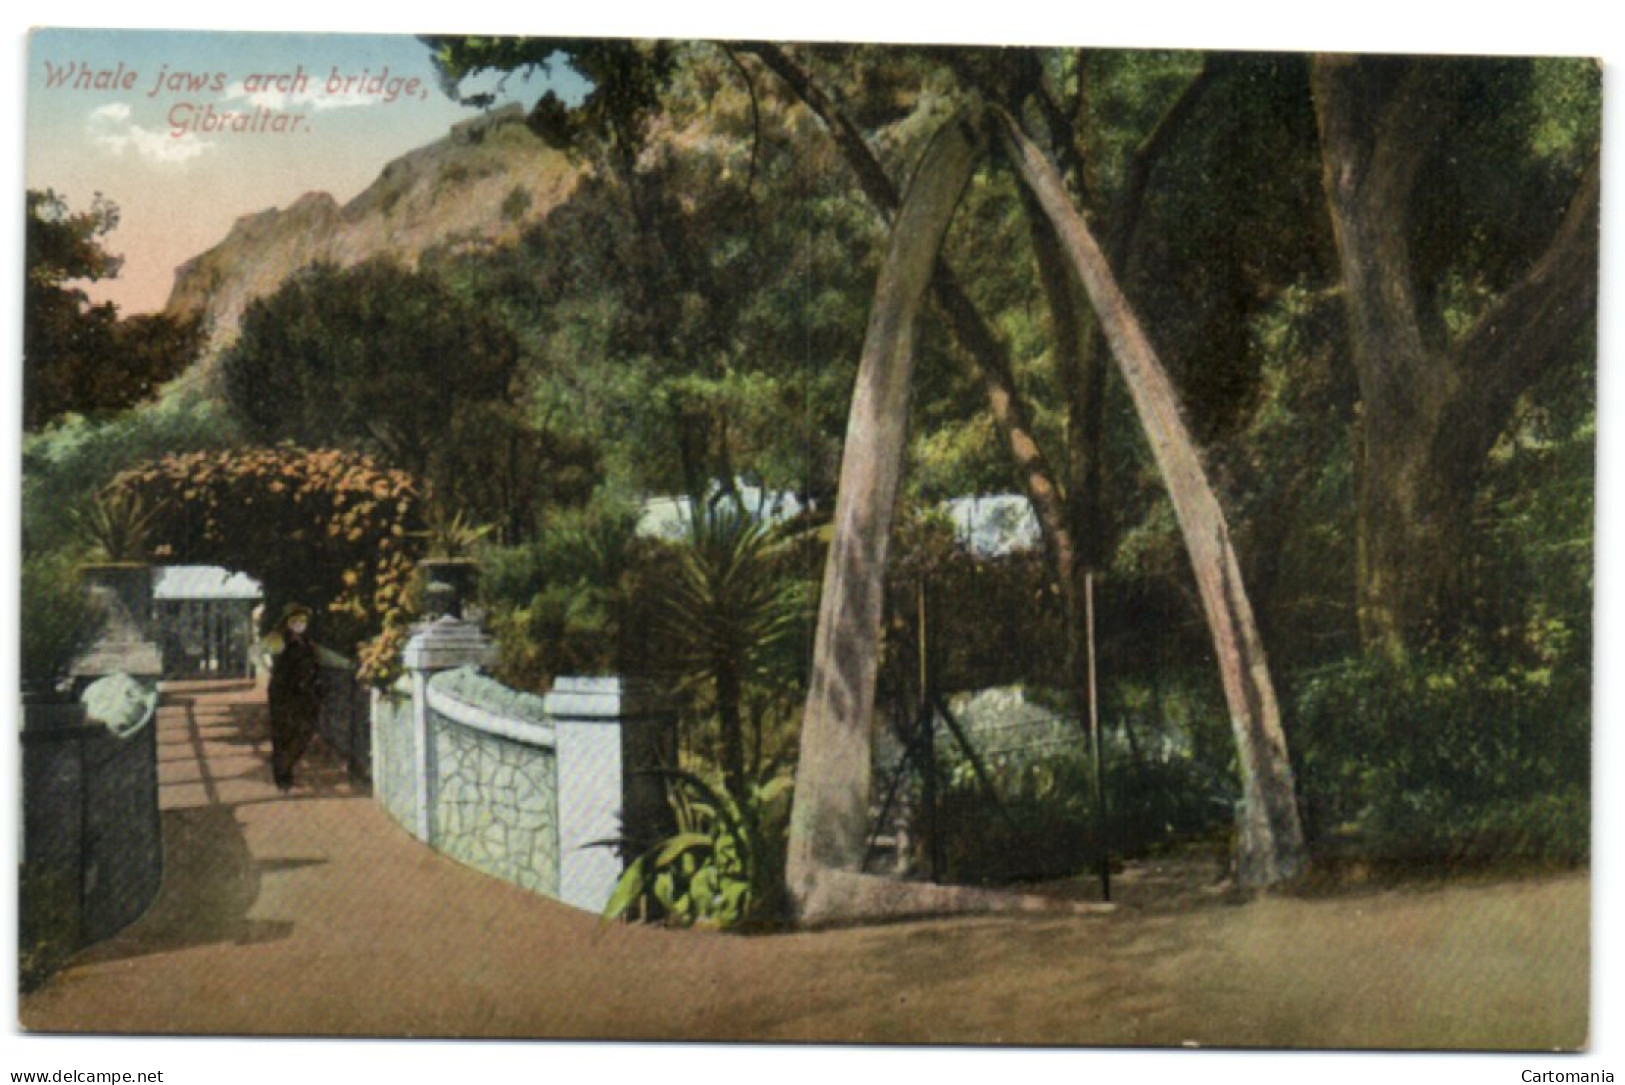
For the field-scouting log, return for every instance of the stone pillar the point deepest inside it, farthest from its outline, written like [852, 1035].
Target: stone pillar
[436, 646]
[613, 735]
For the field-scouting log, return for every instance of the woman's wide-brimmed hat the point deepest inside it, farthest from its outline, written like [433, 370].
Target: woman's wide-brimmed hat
[292, 611]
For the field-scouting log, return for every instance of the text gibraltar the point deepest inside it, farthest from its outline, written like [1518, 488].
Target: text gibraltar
[189, 117]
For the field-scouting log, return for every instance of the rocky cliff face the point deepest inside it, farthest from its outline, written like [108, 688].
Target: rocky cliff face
[483, 184]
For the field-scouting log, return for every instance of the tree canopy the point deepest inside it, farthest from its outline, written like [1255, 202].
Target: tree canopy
[395, 363]
[79, 357]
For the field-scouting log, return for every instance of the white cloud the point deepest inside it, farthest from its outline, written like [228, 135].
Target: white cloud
[111, 128]
[313, 96]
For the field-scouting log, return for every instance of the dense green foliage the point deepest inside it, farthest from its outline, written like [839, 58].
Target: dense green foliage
[719, 616]
[1455, 760]
[58, 621]
[573, 600]
[395, 364]
[68, 463]
[692, 314]
[79, 357]
[1040, 820]
[992, 620]
[693, 318]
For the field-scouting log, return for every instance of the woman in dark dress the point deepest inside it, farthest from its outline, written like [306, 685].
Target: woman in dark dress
[295, 694]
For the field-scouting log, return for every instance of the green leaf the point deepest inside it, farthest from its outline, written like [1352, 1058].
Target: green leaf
[665, 889]
[674, 846]
[735, 899]
[628, 889]
[773, 789]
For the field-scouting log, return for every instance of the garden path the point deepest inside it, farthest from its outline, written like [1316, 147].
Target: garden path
[313, 914]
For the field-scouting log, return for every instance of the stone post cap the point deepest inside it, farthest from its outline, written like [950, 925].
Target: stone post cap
[610, 699]
[123, 653]
[448, 642]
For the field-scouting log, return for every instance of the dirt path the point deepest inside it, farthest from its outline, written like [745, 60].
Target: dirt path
[314, 914]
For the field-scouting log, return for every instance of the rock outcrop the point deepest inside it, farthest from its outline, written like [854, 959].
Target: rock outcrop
[483, 184]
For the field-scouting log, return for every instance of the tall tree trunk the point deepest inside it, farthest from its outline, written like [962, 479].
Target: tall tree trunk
[1407, 522]
[1270, 844]
[730, 719]
[1429, 412]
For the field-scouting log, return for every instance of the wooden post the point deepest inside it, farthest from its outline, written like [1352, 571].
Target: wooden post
[926, 720]
[1102, 833]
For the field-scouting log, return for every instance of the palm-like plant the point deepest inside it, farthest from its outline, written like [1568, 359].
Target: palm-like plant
[727, 611]
[451, 535]
[117, 523]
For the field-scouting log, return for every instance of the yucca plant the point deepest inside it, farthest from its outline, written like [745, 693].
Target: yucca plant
[719, 863]
[117, 523]
[726, 611]
[451, 535]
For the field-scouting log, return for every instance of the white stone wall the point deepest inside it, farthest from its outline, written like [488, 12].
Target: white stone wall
[394, 758]
[528, 789]
[496, 805]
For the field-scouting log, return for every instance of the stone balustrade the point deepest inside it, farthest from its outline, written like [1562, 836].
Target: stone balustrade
[533, 790]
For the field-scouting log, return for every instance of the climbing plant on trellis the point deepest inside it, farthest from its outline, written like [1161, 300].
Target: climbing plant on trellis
[331, 529]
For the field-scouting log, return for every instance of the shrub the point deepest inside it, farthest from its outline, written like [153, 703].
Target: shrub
[995, 621]
[398, 363]
[566, 602]
[1448, 761]
[58, 620]
[723, 866]
[1045, 823]
[71, 461]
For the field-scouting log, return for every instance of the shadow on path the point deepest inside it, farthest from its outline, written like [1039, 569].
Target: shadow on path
[211, 881]
[214, 769]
